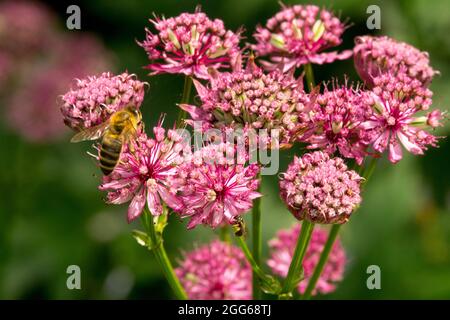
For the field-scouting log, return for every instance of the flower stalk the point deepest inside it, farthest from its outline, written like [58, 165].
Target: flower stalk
[309, 74]
[257, 242]
[322, 260]
[187, 88]
[295, 269]
[157, 246]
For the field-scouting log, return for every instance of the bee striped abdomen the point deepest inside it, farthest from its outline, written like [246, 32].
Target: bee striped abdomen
[109, 153]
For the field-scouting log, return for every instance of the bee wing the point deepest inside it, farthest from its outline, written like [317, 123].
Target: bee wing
[90, 133]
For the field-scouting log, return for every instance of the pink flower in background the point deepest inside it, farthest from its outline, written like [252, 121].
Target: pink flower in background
[190, 44]
[299, 35]
[282, 249]
[6, 67]
[216, 186]
[216, 271]
[31, 100]
[320, 189]
[147, 174]
[377, 55]
[95, 98]
[251, 99]
[337, 123]
[394, 102]
[25, 27]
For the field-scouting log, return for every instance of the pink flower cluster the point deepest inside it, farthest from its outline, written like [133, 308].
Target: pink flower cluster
[190, 44]
[252, 99]
[394, 102]
[146, 174]
[320, 189]
[32, 76]
[299, 35]
[337, 123]
[282, 249]
[216, 186]
[25, 27]
[377, 55]
[94, 99]
[216, 271]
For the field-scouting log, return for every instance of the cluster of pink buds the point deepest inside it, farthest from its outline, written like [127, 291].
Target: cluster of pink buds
[190, 44]
[320, 189]
[252, 99]
[216, 271]
[94, 99]
[337, 123]
[299, 35]
[377, 55]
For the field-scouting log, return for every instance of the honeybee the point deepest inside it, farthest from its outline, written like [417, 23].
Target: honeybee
[114, 133]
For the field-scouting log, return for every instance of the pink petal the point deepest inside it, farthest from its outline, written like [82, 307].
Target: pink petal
[395, 151]
[408, 144]
[154, 203]
[136, 205]
[381, 142]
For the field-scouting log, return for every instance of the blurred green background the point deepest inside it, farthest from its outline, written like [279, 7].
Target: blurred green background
[53, 216]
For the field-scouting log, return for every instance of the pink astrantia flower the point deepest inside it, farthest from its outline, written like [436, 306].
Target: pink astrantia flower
[252, 100]
[94, 99]
[147, 174]
[299, 35]
[337, 123]
[32, 109]
[217, 186]
[282, 249]
[216, 271]
[376, 55]
[26, 27]
[394, 103]
[320, 189]
[190, 44]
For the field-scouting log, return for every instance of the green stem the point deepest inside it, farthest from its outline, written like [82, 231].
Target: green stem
[257, 271]
[297, 259]
[225, 234]
[187, 88]
[323, 259]
[309, 76]
[161, 256]
[332, 236]
[256, 242]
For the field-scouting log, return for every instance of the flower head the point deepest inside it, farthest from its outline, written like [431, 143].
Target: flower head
[190, 44]
[337, 123]
[320, 189]
[94, 99]
[377, 55]
[299, 35]
[394, 103]
[147, 174]
[251, 99]
[26, 27]
[216, 271]
[217, 186]
[32, 110]
[282, 249]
